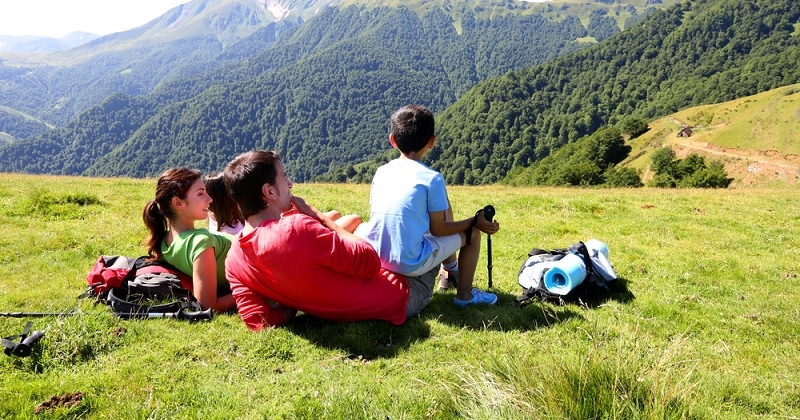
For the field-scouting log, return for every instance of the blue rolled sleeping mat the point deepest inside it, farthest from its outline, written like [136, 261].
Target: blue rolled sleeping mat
[565, 274]
[570, 271]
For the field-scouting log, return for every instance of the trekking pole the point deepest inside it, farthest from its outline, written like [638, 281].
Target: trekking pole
[488, 214]
[190, 316]
[36, 314]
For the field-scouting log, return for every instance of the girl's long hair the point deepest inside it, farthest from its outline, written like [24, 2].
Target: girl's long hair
[158, 211]
[225, 210]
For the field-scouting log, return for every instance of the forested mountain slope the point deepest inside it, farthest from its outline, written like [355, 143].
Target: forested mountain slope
[697, 52]
[321, 94]
[185, 41]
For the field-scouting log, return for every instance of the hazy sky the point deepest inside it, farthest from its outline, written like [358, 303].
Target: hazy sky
[57, 18]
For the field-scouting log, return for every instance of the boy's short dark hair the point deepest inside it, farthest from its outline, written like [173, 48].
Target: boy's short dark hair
[246, 174]
[412, 127]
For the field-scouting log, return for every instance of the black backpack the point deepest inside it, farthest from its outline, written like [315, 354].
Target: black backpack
[143, 288]
[595, 284]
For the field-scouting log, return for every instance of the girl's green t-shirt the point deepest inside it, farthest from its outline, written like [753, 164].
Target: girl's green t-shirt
[187, 246]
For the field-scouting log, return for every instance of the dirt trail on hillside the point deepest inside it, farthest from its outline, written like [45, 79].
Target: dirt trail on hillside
[746, 166]
[770, 157]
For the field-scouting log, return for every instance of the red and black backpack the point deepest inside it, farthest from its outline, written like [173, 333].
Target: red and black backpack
[139, 287]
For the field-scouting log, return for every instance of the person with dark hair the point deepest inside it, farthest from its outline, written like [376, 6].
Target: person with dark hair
[411, 221]
[293, 254]
[223, 215]
[181, 200]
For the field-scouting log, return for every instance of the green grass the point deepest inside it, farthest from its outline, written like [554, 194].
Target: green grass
[703, 325]
[768, 121]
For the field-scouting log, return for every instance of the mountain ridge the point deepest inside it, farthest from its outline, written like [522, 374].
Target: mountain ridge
[37, 44]
[316, 35]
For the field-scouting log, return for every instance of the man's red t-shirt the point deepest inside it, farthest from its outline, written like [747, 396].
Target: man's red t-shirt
[298, 262]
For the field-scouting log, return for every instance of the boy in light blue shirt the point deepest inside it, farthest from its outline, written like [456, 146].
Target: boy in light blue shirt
[411, 222]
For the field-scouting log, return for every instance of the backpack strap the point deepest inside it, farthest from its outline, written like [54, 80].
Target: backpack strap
[525, 299]
[537, 251]
[472, 224]
[581, 250]
[121, 303]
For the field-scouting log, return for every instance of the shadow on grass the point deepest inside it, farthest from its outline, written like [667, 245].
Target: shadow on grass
[505, 315]
[360, 340]
[619, 293]
[378, 339]
[508, 314]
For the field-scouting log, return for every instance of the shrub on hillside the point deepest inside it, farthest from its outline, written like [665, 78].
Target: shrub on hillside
[711, 176]
[633, 126]
[661, 159]
[623, 178]
[582, 163]
[690, 172]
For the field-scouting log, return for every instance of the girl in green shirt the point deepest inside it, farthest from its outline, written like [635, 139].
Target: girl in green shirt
[181, 200]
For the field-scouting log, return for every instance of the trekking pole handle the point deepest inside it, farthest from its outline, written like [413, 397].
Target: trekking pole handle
[24, 348]
[206, 315]
[488, 212]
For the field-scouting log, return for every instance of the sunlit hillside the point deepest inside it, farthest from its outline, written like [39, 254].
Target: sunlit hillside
[758, 137]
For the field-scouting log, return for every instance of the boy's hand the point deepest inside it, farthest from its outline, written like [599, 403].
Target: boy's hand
[486, 226]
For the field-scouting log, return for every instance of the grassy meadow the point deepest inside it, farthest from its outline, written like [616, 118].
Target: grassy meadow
[704, 322]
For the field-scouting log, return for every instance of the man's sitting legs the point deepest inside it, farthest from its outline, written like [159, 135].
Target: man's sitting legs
[420, 291]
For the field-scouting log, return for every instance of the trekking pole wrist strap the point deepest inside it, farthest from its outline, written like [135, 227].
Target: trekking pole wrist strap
[472, 224]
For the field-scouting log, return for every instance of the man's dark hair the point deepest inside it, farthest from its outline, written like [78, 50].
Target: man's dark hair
[412, 127]
[246, 174]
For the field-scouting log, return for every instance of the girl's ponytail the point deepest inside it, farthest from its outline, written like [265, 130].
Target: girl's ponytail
[156, 223]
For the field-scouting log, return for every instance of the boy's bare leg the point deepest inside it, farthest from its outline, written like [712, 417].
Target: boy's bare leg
[451, 274]
[448, 276]
[349, 222]
[467, 264]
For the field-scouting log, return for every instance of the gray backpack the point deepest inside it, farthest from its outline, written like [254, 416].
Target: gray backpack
[541, 266]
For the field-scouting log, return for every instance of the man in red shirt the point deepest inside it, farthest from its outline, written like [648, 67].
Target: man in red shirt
[290, 256]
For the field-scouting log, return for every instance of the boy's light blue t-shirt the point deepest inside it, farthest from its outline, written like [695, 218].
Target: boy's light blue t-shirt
[403, 192]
